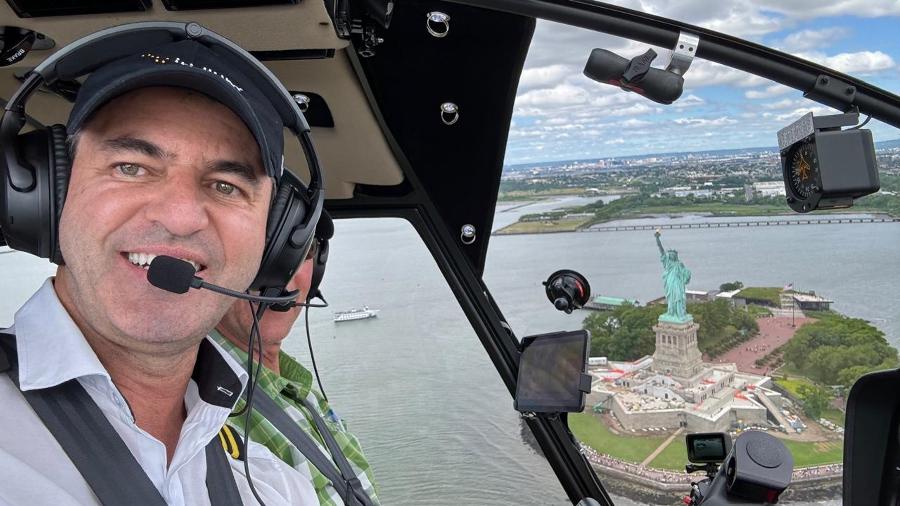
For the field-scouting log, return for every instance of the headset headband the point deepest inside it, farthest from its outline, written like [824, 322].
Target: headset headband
[97, 49]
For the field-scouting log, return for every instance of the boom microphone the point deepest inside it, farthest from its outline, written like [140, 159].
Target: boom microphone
[177, 276]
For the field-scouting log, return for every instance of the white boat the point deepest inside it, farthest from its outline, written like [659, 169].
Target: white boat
[355, 314]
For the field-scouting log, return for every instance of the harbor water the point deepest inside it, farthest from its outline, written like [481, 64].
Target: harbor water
[415, 383]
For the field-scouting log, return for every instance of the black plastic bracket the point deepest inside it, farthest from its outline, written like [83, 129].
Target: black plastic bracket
[832, 92]
[586, 381]
[638, 67]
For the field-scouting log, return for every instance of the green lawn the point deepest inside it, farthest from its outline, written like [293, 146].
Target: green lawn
[815, 454]
[769, 294]
[793, 384]
[674, 457]
[590, 430]
[544, 226]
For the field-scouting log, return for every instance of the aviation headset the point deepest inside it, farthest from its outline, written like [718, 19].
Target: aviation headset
[324, 232]
[35, 166]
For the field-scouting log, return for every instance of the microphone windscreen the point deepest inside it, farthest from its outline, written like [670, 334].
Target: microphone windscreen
[170, 274]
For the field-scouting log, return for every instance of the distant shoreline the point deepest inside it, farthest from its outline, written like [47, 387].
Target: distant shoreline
[570, 226]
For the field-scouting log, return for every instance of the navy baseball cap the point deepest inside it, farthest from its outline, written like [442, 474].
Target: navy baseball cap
[192, 65]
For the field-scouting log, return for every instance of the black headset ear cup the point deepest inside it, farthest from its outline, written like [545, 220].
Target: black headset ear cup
[281, 258]
[59, 168]
[319, 261]
[276, 212]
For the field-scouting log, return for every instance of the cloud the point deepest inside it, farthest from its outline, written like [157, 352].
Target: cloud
[769, 92]
[538, 77]
[796, 113]
[703, 122]
[688, 101]
[706, 73]
[786, 103]
[805, 40]
[559, 95]
[808, 9]
[862, 62]
[617, 140]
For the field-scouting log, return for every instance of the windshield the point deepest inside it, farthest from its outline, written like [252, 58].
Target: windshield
[713, 306]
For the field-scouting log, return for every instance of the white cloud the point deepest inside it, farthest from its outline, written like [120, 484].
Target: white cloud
[796, 113]
[688, 101]
[633, 123]
[634, 109]
[805, 40]
[808, 9]
[707, 73]
[862, 62]
[560, 95]
[769, 92]
[786, 103]
[538, 77]
[703, 122]
[617, 140]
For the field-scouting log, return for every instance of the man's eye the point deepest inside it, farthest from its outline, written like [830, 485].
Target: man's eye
[129, 169]
[225, 188]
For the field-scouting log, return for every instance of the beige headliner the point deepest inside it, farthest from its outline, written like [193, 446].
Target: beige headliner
[354, 151]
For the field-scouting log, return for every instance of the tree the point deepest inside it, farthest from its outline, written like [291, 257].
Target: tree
[838, 350]
[814, 399]
[730, 287]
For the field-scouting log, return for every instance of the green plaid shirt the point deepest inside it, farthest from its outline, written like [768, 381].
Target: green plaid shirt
[295, 382]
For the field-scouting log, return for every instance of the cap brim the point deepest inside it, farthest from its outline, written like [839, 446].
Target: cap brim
[191, 78]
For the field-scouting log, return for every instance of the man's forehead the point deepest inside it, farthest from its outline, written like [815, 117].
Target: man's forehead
[139, 121]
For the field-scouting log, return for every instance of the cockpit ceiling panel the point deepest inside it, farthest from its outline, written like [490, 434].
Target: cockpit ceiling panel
[305, 25]
[353, 151]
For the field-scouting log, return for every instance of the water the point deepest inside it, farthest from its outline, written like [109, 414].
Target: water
[415, 383]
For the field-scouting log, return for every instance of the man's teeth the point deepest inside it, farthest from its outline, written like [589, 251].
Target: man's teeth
[144, 259]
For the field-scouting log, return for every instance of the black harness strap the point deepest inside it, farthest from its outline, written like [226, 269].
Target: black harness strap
[96, 449]
[344, 480]
[220, 482]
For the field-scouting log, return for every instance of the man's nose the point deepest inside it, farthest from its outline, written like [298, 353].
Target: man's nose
[179, 206]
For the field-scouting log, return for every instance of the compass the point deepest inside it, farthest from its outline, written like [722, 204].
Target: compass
[804, 177]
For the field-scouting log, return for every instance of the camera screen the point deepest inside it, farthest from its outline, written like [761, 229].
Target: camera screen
[550, 371]
[704, 448]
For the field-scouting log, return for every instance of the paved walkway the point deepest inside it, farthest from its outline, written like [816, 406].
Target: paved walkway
[662, 447]
[774, 331]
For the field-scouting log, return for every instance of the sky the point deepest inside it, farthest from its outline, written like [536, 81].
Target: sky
[560, 114]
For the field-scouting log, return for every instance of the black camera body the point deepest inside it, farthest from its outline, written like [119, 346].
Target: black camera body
[756, 470]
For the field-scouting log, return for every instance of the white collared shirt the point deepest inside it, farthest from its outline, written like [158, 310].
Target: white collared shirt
[35, 469]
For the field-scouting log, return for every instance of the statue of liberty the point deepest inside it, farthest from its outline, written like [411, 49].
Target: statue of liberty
[675, 276]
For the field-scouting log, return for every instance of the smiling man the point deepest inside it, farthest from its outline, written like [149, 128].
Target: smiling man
[159, 167]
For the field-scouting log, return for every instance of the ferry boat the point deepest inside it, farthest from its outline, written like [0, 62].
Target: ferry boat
[355, 314]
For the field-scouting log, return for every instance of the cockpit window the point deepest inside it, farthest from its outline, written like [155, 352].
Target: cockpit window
[713, 306]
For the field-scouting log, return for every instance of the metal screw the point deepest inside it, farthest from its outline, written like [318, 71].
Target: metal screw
[194, 30]
[302, 101]
[467, 235]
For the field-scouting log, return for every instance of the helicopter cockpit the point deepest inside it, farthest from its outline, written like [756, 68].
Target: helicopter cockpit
[464, 383]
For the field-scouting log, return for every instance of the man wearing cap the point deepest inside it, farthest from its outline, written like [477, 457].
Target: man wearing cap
[290, 384]
[173, 153]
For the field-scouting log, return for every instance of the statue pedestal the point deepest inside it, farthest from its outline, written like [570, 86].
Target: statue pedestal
[676, 351]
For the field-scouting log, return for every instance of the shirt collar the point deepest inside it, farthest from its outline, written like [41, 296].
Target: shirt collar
[52, 350]
[268, 379]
